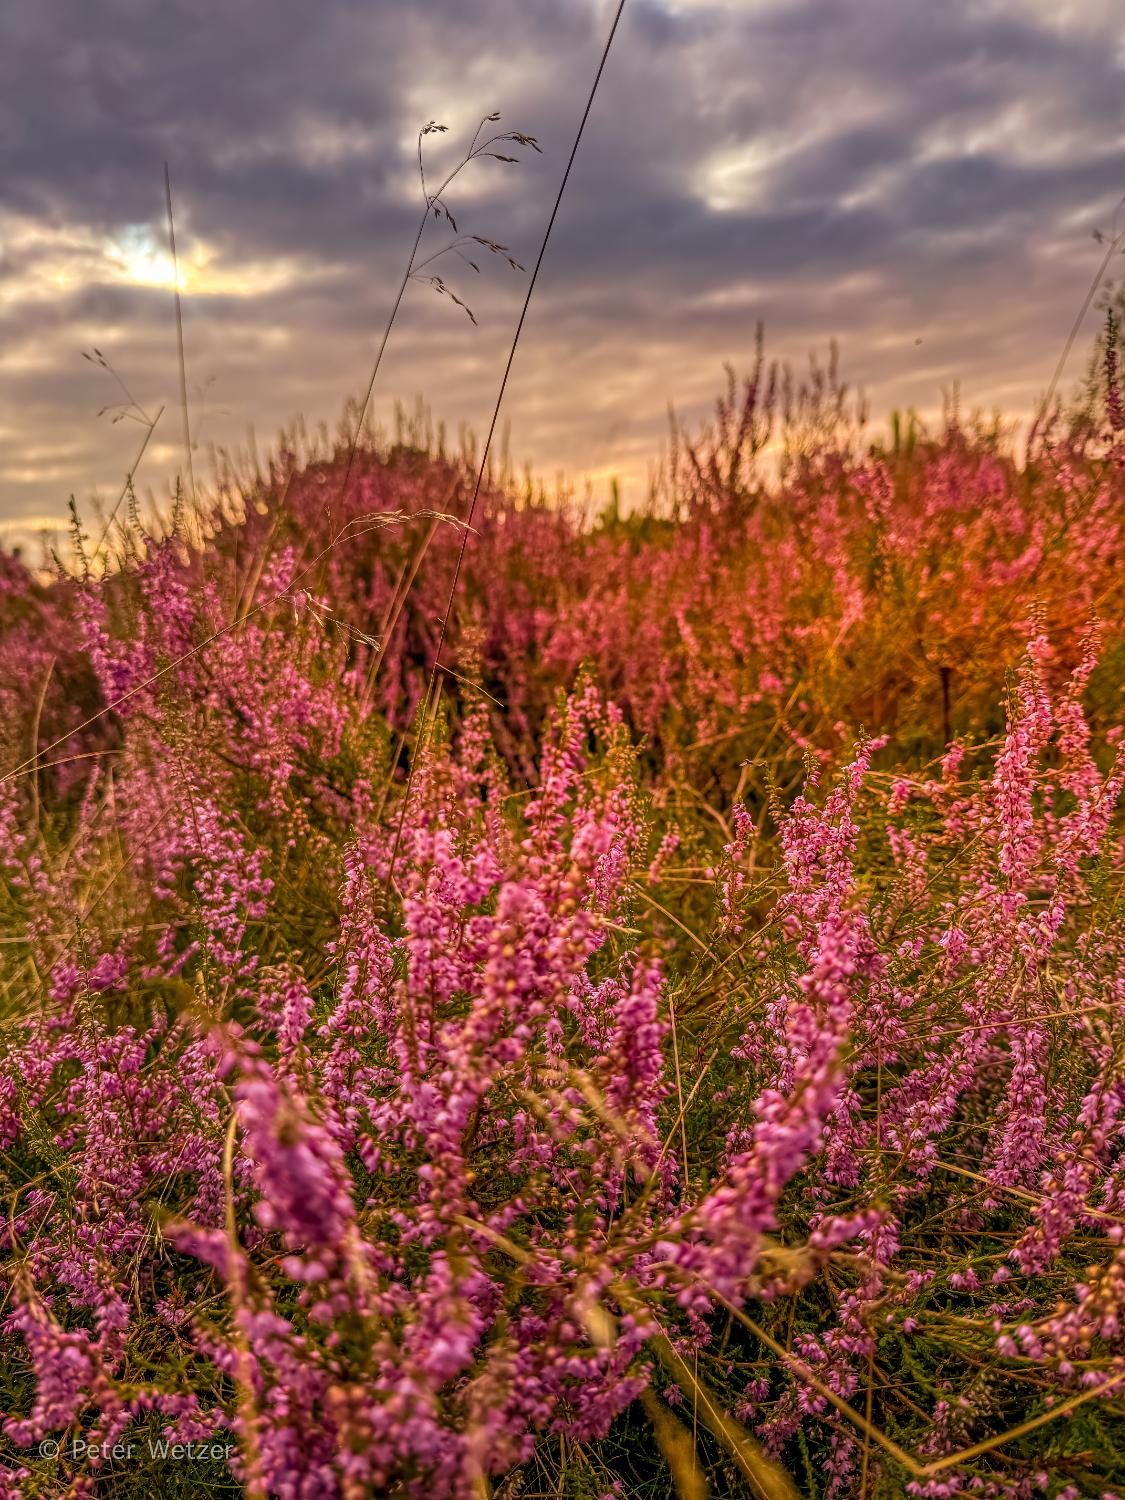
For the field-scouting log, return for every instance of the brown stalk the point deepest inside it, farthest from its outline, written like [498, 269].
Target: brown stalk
[35, 722]
[766, 1480]
[677, 1447]
[246, 1402]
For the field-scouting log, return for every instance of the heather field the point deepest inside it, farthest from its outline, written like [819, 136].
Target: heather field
[674, 1049]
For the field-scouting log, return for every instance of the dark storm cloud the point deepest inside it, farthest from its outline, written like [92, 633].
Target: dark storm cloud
[870, 169]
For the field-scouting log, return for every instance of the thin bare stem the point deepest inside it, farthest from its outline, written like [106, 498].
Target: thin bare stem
[1114, 244]
[408, 273]
[179, 335]
[128, 481]
[431, 686]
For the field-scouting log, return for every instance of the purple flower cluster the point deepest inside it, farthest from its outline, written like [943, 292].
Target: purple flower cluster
[412, 1128]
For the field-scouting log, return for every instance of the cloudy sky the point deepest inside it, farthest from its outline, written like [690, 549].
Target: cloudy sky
[882, 171]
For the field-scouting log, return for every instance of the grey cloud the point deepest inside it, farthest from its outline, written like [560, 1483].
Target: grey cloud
[881, 141]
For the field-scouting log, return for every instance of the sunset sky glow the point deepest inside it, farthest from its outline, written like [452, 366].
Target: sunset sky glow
[921, 182]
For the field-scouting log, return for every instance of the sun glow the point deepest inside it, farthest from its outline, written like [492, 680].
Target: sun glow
[49, 261]
[138, 258]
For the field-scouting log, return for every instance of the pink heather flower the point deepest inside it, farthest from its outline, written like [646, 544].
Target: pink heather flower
[474, 1178]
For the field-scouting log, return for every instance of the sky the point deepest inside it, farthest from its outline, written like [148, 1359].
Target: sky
[921, 182]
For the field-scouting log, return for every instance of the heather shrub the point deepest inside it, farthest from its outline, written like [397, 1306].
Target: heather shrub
[688, 1063]
[865, 586]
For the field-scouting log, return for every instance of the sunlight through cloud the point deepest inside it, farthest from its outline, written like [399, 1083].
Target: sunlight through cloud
[137, 257]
